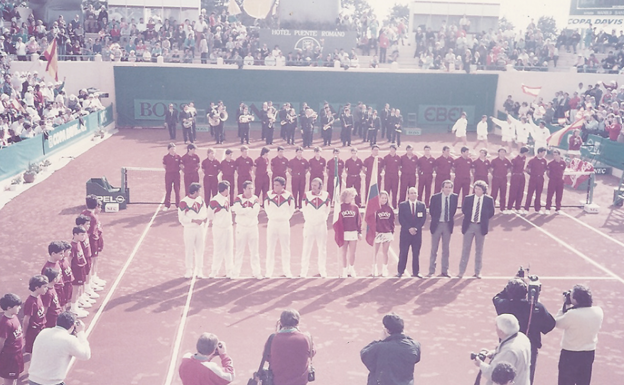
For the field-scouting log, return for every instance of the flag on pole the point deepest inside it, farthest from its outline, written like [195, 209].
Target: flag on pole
[533, 91]
[373, 205]
[337, 223]
[554, 140]
[51, 56]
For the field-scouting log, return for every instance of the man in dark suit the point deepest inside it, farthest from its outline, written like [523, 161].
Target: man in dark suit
[412, 217]
[442, 210]
[171, 120]
[477, 209]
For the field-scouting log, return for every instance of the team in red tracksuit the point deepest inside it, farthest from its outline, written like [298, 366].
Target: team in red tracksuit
[228, 169]
[317, 167]
[443, 165]
[368, 165]
[518, 180]
[462, 166]
[409, 165]
[536, 168]
[190, 167]
[354, 167]
[298, 170]
[279, 165]
[331, 169]
[244, 164]
[555, 168]
[481, 167]
[262, 181]
[211, 168]
[392, 165]
[500, 168]
[172, 162]
[426, 164]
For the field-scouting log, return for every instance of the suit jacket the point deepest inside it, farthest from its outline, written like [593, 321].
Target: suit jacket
[407, 220]
[487, 212]
[171, 117]
[435, 210]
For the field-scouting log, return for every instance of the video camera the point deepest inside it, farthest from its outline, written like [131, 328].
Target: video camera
[482, 355]
[533, 283]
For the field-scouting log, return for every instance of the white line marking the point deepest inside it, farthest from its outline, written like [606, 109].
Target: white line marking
[407, 278]
[110, 293]
[594, 229]
[572, 249]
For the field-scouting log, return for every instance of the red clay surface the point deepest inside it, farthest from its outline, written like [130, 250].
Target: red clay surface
[134, 339]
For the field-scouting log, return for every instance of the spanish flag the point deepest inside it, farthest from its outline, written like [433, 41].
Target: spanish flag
[51, 56]
[533, 91]
[336, 222]
[373, 204]
[554, 140]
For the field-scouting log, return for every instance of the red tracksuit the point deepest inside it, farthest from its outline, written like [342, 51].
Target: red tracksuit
[555, 183]
[279, 166]
[190, 166]
[354, 169]
[317, 168]
[298, 170]
[462, 168]
[516, 185]
[500, 169]
[262, 182]
[211, 173]
[481, 170]
[368, 163]
[243, 170]
[408, 174]
[172, 178]
[331, 169]
[443, 167]
[536, 168]
[392, 165]
[228, 167]
[425, 178]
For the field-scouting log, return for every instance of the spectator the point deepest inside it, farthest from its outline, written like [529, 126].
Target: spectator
[289, 351]
[392, 359]
[198, 368]
[55, 347]
[580, 321]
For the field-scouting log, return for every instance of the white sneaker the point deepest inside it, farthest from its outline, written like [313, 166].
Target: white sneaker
[557, 212]
[353, 274]
[523, 212]
[95, 287]
[92, 294]
[384, 271]
[84, 305]
[323, 274]
[85, 298]
[98, 281]
[375, 271]
[80, 313]
[512, 211]
[304, 276]
[188, 274]
[547, 212]
[288, 274]
[344, 273]
[201, 276]
[542, 212]
[165, 208]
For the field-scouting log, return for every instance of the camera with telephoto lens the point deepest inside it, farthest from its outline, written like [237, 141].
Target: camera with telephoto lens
[534, 286]
[568, 297]
[482, 355]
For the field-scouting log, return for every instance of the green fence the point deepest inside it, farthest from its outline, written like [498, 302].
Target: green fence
[431, 101]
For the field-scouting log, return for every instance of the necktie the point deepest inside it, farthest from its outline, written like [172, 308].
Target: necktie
[446, 210]
[413, 209]
[476, 213]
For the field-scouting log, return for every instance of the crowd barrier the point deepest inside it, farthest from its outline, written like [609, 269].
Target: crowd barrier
[15, 159]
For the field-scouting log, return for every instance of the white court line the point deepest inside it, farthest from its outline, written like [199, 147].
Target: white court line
[506, 278]
[110, 293]
[592, 228]
[572, 249]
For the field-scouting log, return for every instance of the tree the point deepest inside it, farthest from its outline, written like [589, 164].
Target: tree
[548, 26]
[505, 24]
[398, 12]
[359, 7]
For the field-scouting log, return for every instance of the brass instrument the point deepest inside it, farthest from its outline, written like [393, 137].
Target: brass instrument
[246, 118]
[187, 122]
[223, 115]
[271, 115]
[330, 123]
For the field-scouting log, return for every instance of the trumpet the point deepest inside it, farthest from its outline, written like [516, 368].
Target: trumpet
[245, 118]
[271, 114]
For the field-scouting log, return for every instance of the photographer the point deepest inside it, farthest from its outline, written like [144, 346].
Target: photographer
[514, 348]
[54, 349]
[392, 359]
[513, 300]
[198, 368]
[580, 322]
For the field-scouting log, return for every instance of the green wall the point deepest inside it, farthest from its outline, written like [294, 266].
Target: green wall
[406, 91]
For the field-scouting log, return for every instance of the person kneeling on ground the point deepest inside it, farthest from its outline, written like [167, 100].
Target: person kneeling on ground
[198, 368]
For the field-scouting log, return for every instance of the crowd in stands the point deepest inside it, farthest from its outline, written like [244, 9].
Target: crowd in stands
[595, 42]
[29, 106]
[600, 105]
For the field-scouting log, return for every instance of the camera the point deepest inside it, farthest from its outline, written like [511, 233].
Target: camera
[534, 286]
[568, 297]
[482, 355]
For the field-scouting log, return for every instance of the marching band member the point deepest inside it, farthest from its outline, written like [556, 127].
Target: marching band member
[368, 168]
[385, 122]
[373, 125]
[246, 207]
[279, 206]
[262, 180]
[507, 130]
[243, 164]
[187, 125]
[291, 126]
[211, 167]
[331, 172]
[222, 231]
[264, 119]
[193, 113]
[315, 210]
[271, 117]
[392, 165]
[307, 126]
[317, 166]
[283, 113]
[396, 123]
[327, 122]
[459, 128]
[536, 168]
[243, 125]
[219, 129]
[364, 119]
[384, 227]
[211, 116]
[192, 214]
[239, 112]
[409, 165]
[298, 168]
[426, 165]
[482, 132]
[347, 127]
[352, 227]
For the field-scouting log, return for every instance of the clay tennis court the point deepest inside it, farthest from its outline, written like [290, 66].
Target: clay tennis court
[149, 315]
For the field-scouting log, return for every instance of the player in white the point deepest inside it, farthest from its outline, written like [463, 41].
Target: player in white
[315, 210]
[508, 130]
[523, 131]
[192, 214]
[222, 230]
[482, 132]
[246, 207]
[279, 206]
[540, 135]
[459, 128]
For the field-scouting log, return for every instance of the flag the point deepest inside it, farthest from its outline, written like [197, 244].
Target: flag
[233, 8]
[258, 9]
[554, 140]
[337, 223]
[533, 91]
[51, 56]
[373, 204]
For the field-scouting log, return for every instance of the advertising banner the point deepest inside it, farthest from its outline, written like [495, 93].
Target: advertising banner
[291, 40]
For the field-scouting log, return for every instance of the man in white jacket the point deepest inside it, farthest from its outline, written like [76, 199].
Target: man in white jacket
[315, 210]
[508, 130]
[246, 207]
[540, 135]
[222, 230]
[459, 128]
[279, 206]
[192, 214]
[482, 132]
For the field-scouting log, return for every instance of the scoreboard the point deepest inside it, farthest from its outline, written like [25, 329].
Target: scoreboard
[597, 7]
